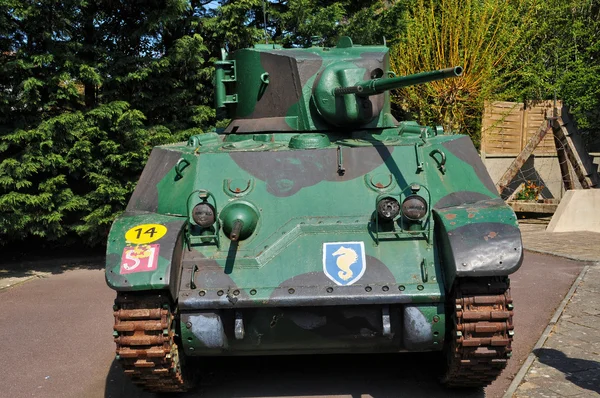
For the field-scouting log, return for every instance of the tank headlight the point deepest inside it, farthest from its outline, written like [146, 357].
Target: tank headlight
[204, 214]
[414, 208]
[388, 208]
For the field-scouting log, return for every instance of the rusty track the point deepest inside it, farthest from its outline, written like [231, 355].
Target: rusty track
[146, 347]
[482, 332]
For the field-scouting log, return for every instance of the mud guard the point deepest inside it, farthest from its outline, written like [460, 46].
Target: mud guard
[144, 252]
[478, 239]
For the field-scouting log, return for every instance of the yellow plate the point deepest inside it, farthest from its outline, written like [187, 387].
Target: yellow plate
[145, 233]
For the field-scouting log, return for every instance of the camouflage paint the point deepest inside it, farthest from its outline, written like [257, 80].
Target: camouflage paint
[268, 292]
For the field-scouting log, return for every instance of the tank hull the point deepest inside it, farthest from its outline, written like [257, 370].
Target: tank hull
[314, 330]
[314, 223]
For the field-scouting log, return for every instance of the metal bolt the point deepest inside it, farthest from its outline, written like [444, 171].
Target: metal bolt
[220, 293]
[436, 318]
[191, 348]
[458, 333]
[236, 292]
[188, 325]
[510, 306]
[202, 293]
[385, 288]
[368, 288]
[464, 264]
[165, 332]
[420, 287]
[401, 288]
[458, 307]
[252, 292]
[508, 354]
[511, 332]
[291, 291]
[329, 289]
[116, 334]
[117, 357]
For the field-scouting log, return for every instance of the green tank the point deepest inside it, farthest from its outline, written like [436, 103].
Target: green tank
[315, 222]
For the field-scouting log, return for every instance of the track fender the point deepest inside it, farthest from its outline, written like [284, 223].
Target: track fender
[478, 239]
[144, 252]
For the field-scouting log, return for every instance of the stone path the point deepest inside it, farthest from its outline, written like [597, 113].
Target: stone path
[582, 246]
[568, 363]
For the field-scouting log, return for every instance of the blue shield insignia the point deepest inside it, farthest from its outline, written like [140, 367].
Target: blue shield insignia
[344, 262]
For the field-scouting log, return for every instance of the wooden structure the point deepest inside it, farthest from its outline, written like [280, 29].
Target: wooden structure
[512, 128]
[508, 126]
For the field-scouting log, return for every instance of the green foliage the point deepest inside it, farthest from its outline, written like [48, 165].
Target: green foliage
[561, 56]
[233, 24]
[530, 191]
[74, 172]
[88, 87]
[383, 19]
[300, 20]
[478, 35]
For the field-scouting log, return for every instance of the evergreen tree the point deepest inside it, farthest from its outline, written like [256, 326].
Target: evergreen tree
[88, 88]
[561, 57]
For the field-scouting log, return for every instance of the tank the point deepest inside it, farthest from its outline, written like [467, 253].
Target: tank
[314, 223]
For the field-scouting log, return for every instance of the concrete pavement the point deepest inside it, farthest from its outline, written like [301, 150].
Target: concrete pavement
[580, 246]
[59, 342]
[566, 359]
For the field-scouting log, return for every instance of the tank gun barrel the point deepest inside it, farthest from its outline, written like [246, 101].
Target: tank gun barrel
[378, 86]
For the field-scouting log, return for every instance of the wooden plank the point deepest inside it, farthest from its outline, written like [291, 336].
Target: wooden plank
[520, 160]
[535, 114]
[501, 128]
[562, 162]
[532, 207]
[560, 131]
[576, 144]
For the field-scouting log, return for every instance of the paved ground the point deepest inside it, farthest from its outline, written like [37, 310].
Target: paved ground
[582, 246]
[568, 362]
[57, 343]
[566, 359]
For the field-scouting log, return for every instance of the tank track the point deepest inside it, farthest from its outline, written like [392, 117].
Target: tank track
[145, 338]
[481, 332]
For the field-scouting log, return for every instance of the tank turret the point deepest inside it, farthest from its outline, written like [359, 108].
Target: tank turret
[267, 88]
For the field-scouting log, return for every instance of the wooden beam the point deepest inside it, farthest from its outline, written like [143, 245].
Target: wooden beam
[562, 162]
[520, 160]
[524, 206]
[586, 178]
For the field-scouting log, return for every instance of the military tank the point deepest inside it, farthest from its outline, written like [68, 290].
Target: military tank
[315, 222]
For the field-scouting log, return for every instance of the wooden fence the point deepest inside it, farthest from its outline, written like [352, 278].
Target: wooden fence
[508, 126]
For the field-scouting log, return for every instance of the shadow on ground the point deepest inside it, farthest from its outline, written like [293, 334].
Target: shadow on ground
[50, 265]
[581, 372]
[355, 376]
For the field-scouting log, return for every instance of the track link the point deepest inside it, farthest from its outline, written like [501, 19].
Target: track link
[145, 338]
[481, 332]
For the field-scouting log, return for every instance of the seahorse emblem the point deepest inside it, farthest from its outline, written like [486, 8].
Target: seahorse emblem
[346, 258]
